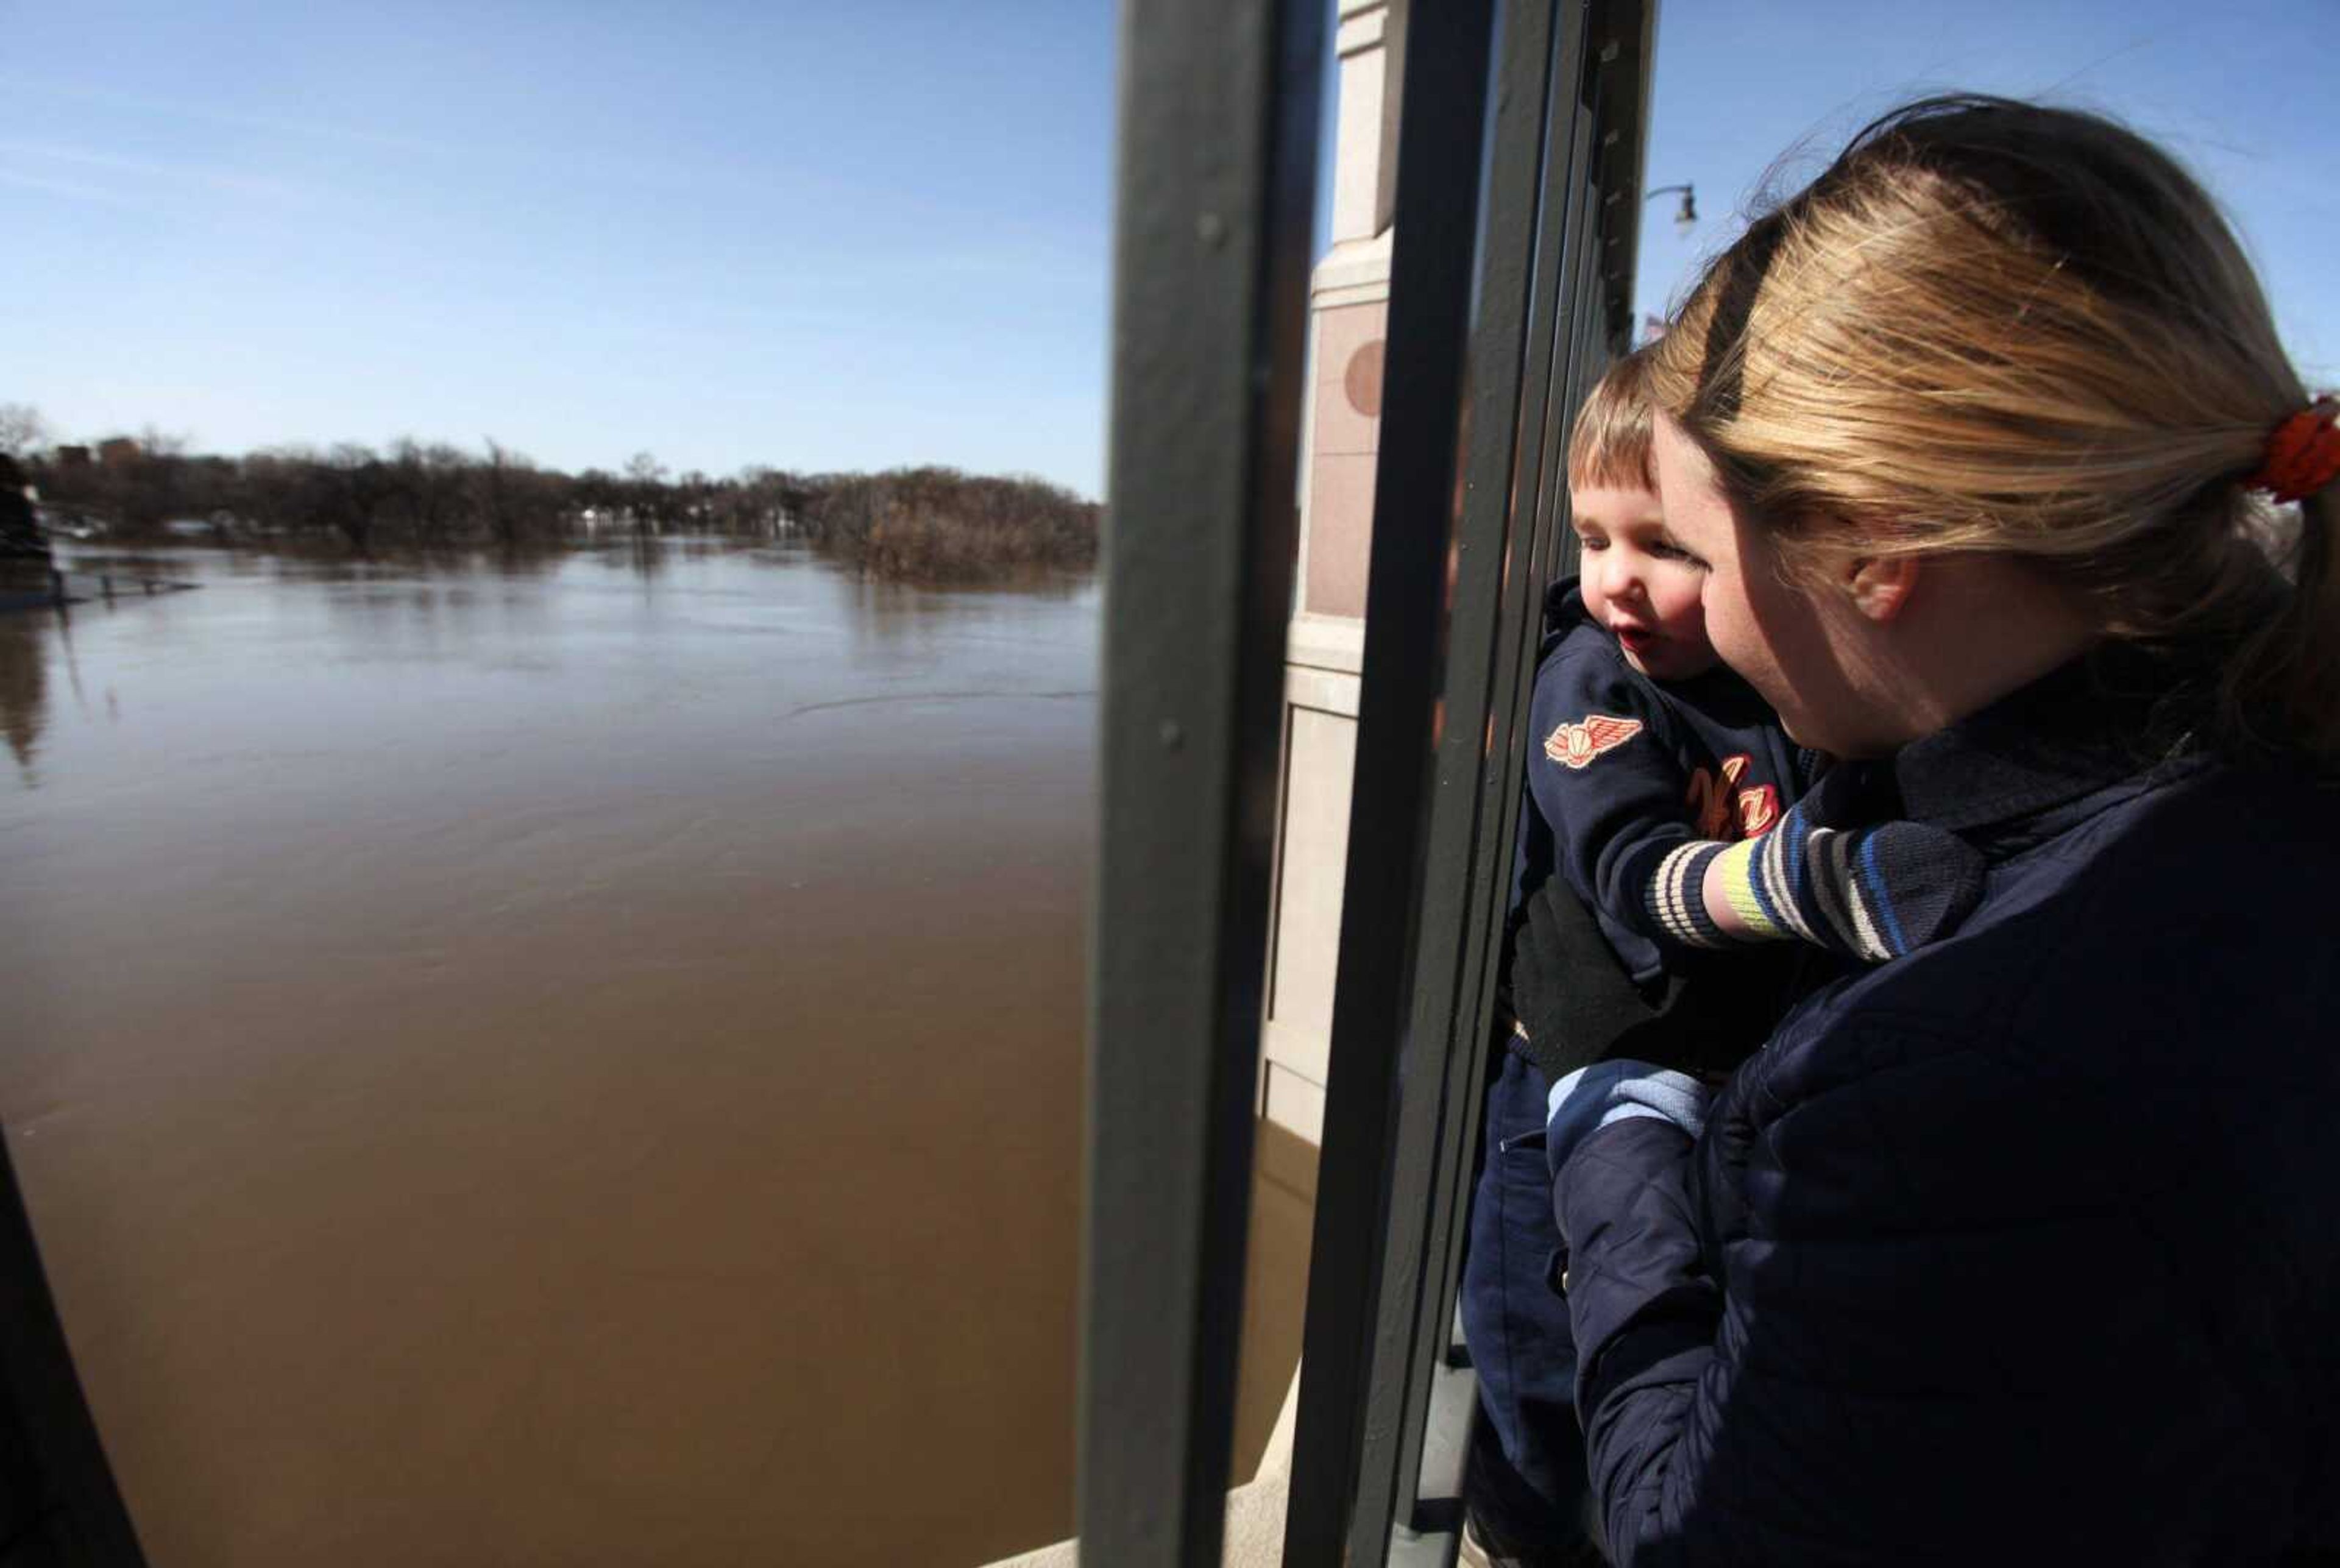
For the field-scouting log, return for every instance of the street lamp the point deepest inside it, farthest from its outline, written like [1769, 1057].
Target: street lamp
[1686, 215]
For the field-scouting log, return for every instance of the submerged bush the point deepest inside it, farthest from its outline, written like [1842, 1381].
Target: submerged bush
[939, 525]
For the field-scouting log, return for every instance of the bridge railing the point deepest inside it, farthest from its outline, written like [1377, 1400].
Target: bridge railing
[1517, 205]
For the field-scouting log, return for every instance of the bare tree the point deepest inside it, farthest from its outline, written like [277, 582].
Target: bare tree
[518, 499]
[426, 482]
[23, 430]
[497, 502]
[651, 502]
[362, 482]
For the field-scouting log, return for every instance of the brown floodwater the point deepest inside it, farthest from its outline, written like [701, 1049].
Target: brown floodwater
[559, 1061]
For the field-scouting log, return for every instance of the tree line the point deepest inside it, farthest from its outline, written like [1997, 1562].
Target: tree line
[931, 524]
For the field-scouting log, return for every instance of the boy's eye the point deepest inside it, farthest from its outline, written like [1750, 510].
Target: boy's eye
[1671, 551]
[1592, 541]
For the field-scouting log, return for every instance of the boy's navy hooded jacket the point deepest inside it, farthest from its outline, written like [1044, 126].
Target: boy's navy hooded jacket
[2024, 1248]
[1624, 768]
[1651, 766]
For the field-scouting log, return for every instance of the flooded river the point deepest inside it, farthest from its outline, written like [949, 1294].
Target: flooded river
[557, 1062]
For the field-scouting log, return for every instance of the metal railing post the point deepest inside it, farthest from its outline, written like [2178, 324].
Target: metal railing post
[1220, 101]
[1416, 497]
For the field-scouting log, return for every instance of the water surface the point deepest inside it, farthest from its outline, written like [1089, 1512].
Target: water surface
[559, 1060]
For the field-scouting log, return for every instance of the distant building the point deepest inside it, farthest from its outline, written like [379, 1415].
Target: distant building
[117, 452]
[72, 457]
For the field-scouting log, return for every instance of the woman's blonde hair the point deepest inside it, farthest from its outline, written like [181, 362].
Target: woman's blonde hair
[1995, 326]
[1609, 445]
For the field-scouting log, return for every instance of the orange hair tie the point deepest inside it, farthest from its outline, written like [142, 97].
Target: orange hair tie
[2303, 455]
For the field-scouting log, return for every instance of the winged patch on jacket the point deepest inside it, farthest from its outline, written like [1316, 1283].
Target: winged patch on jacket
[1594, 735]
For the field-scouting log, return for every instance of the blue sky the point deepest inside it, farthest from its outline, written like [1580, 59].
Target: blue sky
[814, 236]
[2241, 91]
[823, 235]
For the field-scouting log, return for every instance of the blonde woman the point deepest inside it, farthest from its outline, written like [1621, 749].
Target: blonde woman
[2023, 1247]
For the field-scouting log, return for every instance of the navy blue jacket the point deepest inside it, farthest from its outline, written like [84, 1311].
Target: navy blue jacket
[2023, 1248]
[1625, 770]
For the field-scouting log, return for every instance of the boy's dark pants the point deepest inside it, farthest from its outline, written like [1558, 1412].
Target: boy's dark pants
[1527, 1461]
[1577, 1005]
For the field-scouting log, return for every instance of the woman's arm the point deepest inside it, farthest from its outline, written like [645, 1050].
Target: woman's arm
[1923, 1345]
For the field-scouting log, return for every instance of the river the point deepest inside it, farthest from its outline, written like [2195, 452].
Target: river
[562, 1060]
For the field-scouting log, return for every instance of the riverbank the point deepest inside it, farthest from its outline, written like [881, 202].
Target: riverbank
[929, 524]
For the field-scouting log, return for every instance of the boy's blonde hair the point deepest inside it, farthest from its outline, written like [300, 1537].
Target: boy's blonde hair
[1994, 326]
[1609, 444]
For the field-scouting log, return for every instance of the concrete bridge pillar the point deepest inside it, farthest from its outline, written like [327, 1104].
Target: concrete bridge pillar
[1349, 310]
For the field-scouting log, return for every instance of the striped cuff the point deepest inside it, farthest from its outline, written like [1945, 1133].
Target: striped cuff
[1849, 875]
[1677, 896]
[1809, 882]
[1744, 871]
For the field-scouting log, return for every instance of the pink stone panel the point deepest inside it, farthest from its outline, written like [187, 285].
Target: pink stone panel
[1346, 436]
[1340, 531]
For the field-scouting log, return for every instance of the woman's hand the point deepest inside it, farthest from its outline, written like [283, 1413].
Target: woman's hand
[1576, 1004]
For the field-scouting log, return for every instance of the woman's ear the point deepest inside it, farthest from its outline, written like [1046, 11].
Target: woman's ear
[1880, 585]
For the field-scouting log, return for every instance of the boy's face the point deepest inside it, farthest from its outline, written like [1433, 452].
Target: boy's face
[1641, 584]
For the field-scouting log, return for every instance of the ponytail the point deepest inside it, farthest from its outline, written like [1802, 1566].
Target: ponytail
[2284, 680]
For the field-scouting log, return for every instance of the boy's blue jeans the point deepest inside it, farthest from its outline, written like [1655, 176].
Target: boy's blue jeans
[1516, 1326]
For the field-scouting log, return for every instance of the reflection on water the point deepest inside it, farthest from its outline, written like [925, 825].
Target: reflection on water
[23, 689]
[557, 1060]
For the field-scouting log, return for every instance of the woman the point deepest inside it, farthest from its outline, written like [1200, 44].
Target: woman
[2025, 1246]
